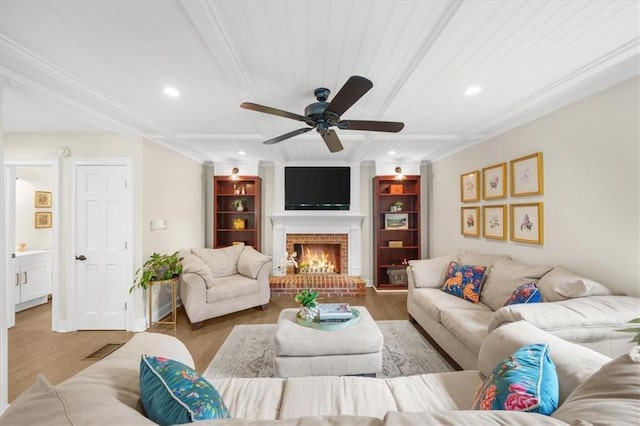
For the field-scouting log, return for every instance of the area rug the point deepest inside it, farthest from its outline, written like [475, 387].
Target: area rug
[249, 352]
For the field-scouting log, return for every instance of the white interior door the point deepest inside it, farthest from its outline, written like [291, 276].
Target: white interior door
[102, 220]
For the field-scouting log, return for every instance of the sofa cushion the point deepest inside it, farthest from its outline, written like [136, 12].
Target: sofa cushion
[464, 281]
[326, 420]
[231, 287]
[251, 398]
[469, 417]
[562, 284]
[468, 325]
[344, 395]
[574, 363]
[524, 381]
[192, 264]
[43, 403]
[430, 272]
[250, 262]
[434, 301]
[526, 293]
[471, 258]
[505, 276]
[174, 393]
[438, 391]
[223, 261]
[584, 319]
[611, 396]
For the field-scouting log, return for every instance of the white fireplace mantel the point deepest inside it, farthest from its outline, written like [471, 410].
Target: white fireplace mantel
[319, 222]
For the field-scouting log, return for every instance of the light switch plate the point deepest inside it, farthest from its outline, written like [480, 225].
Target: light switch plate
[158, 224]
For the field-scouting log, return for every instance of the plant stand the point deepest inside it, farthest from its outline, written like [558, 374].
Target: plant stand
[174, 313]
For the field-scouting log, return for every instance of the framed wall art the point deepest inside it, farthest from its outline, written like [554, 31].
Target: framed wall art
[470, 221]
[526, 175]
[527, 223]
[470, 187]
[396, 221]
[494, 222]
[43, 220]
[494, 182]
[43, 199]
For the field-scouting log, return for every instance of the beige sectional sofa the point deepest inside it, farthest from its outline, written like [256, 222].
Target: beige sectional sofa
[575, 308]
[217, 282]
[593, 390]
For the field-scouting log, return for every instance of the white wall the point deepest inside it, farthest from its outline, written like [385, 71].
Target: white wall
[29, 180]
[44, 146]
[173, 191]
[167, 186]
[591, 189]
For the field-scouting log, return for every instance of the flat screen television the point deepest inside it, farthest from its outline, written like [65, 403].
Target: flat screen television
[317, 188]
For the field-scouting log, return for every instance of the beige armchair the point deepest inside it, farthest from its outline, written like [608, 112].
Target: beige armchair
[217, 282]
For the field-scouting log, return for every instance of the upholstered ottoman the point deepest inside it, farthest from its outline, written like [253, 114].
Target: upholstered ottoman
[304, 351]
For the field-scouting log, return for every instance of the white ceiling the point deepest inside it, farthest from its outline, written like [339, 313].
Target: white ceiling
[102, 65]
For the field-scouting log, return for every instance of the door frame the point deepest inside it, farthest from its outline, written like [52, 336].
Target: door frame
[57, 324]
[71, 234]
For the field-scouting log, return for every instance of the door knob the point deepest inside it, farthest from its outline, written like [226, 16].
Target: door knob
[81, 257]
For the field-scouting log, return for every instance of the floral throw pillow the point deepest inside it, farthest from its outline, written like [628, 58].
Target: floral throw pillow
[464, 281]
[526, 293]
[525, 381]
[174, 393]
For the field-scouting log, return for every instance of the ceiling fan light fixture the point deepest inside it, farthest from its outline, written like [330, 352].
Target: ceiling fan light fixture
[234, 173]
[399, 173]
[473, 90]
[391, 153]
[171, 92]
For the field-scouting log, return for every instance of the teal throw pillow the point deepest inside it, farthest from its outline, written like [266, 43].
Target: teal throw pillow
[526, 293]
[174, 393]
[464, 281]
[525, 381]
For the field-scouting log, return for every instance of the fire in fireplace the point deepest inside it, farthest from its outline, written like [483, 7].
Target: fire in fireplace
[318, 258]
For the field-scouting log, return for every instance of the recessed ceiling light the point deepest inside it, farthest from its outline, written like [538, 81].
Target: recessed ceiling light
[241, 153]
[172, 92]
[392, 153]
[472, 90]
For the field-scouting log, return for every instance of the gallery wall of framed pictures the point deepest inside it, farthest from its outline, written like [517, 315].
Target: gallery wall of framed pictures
[42, 200]
[500, 214]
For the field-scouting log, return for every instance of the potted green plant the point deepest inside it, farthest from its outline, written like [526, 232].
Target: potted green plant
[157, 267]
[308, 305]
[239, 204]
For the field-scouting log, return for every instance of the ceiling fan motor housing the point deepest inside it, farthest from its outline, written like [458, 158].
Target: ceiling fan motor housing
[315, 110]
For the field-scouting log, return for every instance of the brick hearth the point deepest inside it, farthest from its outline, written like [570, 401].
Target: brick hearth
[326, 284]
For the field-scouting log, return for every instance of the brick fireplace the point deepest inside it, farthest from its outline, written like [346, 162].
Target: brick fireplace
[311, 229]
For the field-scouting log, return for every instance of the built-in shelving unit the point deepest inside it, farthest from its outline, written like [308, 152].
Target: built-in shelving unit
[396, 232]
[232, 225]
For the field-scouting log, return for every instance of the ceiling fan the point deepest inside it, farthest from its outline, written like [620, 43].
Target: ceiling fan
[322, 115]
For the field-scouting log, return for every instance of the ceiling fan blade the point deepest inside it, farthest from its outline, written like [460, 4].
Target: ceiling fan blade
[377, 126]
[333, 142]
[276, 111]
[349, 94]
[287, 135]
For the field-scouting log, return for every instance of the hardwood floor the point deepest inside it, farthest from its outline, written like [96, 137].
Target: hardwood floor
[34, 348]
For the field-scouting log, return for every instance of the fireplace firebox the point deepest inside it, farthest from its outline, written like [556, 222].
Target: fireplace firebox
[318, 257]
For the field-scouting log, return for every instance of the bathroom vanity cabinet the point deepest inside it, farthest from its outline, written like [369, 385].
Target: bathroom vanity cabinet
[32, 278]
